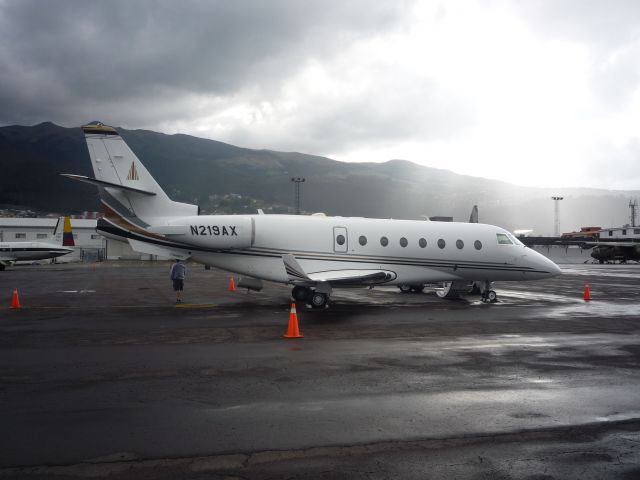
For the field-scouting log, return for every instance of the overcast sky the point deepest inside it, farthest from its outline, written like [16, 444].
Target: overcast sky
[534, 92]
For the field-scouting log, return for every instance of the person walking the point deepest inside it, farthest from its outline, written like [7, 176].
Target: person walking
[178, 274]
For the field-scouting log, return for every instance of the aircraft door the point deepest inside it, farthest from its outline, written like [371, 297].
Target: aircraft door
[340, 239]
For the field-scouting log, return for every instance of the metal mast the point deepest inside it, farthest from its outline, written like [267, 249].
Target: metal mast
[297, 181]
[556, 230]
[633, 205]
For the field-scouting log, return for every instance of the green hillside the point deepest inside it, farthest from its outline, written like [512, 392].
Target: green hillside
[224, 178]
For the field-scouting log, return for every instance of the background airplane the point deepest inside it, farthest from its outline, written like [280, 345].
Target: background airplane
[11, 252]
[313, 253]
[614, 251]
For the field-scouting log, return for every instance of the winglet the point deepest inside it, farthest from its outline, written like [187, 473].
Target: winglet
[293, 268]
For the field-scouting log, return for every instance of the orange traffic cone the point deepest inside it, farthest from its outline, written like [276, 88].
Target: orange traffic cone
[587, 293]
[15, 300]
[293, 331]
[232, 285]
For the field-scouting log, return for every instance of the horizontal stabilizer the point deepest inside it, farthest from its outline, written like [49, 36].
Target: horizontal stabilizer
[150, 249]
[102, 183]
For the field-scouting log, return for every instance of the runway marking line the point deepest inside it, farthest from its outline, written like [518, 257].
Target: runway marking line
[195, 305]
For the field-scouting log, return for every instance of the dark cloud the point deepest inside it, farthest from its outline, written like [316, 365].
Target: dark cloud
[60, 59]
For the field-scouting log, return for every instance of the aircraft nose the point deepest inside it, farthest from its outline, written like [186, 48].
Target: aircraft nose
[553, 268]
[547, 267]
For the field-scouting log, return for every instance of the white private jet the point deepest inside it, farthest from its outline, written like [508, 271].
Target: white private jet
[11, 252]
[313, 253]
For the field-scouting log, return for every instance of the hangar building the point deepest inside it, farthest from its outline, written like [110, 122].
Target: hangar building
[90, 245]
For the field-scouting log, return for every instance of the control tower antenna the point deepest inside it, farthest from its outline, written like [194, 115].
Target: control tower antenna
[633, 205]
[556, 230]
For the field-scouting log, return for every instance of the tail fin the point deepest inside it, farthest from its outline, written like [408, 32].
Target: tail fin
[127, 189]
[474, 215]
[63, 233]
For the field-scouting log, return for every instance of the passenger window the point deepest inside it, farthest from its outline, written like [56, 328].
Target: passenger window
[384, 241]
[403, 242]
[362, 240]
[441, 243]
[340, 239]
[422, 242]
[459, 244]
[477, 244]
[503, 239]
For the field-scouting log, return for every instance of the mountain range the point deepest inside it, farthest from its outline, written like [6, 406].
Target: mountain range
[223, 178]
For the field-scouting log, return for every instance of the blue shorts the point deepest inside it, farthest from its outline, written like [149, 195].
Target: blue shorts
[178, 285]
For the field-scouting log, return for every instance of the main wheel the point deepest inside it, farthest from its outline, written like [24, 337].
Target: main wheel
[318, 300]
[299, 293]
[404, 288]
[447, 291]
[417, 288]
[492, 296]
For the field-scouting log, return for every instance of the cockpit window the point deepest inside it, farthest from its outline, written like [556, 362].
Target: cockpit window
[514, 240]
[503, 239]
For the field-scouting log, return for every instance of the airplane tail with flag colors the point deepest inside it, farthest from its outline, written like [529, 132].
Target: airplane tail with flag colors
[63, 232]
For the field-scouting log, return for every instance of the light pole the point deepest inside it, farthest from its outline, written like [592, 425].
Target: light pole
[556, 230]
[298, 181]
[633, 205]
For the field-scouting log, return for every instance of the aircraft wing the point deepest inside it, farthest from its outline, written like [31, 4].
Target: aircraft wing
[349, 277]
[353, 277]
[610, 244]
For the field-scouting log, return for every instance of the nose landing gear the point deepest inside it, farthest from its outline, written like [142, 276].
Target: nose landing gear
[489, 296]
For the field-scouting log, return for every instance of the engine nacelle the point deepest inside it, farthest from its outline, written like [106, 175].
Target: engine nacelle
[213, 231]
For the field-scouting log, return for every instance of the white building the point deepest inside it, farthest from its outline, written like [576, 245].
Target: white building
[625, 233]
[90, 245]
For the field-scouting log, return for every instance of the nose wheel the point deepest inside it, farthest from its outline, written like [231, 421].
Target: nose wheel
[489, 296]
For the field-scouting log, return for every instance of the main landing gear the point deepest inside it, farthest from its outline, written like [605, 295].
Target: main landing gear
[452, 290]
[406, 288]
[311, 296]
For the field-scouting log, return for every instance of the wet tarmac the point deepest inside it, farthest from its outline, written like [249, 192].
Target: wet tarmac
[101, 374]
